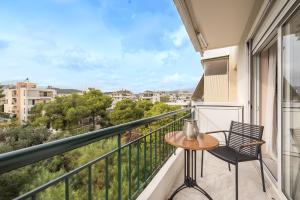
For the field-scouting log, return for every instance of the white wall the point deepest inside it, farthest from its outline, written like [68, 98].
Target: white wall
[214, 117]
[162, 184]
[210, 87]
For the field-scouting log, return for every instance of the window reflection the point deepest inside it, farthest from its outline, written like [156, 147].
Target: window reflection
[291, 107]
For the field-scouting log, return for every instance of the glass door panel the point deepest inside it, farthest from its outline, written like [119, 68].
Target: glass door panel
[291, 107]
[268, 105]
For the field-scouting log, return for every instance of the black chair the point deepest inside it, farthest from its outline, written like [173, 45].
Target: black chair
[243, 143]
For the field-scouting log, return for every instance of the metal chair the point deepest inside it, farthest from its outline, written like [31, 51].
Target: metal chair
[243, 143]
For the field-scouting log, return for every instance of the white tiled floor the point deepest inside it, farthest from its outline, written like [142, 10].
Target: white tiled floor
[219, 182]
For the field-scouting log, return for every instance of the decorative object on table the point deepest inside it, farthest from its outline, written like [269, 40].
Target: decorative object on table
[190, 129]
[243, 143]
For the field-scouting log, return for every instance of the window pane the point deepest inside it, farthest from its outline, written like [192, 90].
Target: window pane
[215, 66]
[291, 107]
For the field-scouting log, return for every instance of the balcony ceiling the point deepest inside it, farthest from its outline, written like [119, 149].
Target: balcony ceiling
[214, 23]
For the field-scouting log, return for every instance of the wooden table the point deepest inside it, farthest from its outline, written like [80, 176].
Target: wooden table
[203, 142]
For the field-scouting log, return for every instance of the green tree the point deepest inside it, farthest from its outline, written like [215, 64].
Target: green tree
[68, 112]
[13, 182]
[98, 103]
[164, 98]
[21, 137]
[145, 105]
[160, 108]
[126, 111]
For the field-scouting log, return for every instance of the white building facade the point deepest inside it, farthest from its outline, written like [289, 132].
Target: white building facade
[20, 98]
[120, 95]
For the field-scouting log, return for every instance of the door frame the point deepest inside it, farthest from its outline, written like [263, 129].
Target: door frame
[256, 94]
[253, 78]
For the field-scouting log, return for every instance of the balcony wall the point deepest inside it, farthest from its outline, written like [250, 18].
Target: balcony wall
[210, 117]
[217, 116]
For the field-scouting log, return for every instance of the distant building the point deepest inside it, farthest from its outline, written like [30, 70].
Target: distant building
[20, 98]
[120, 95]
[152, 96]
[64, 92]
[180, 98]
[184, 96]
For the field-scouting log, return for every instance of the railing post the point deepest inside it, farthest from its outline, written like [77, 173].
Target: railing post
[129, 172]
[160, 150]
[90, 183]
[174, 129]
[155, 148]
[67, 188]
[138, 164]
[145, 157]
[150, 162]
[174, 123]
[119, 168]
[106, 178]
[242, 114]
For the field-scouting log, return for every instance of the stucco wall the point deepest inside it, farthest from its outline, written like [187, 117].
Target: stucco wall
[222, 88]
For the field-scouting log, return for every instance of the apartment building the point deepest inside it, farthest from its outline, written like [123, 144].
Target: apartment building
[152, 96]
[20, 98]
[120, 95]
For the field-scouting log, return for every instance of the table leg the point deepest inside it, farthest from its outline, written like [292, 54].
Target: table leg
[190, 172]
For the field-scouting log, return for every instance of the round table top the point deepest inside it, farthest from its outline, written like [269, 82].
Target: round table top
[203, 141]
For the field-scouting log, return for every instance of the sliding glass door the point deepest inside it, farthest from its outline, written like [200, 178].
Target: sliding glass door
[291, 107]
[264, 101]
[268, 104]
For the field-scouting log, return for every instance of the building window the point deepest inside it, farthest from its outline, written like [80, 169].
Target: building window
[45, 94]
[216, 66]
[216, 79]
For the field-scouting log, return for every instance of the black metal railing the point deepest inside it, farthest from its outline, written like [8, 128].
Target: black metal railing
[135, 161]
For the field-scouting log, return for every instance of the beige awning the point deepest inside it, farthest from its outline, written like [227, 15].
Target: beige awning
[215, 23]
[199, 91]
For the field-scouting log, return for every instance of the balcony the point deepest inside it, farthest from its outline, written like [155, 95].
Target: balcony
[145, 167]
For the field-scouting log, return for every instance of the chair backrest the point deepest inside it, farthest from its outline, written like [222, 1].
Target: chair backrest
[242, 133]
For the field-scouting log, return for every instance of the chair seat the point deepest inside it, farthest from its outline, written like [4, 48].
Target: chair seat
[229, 155]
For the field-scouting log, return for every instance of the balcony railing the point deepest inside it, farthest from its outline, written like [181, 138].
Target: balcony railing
[141, 157]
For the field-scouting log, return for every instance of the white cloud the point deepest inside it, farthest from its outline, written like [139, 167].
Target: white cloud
[172, 78]
[81, 61]
[179, 36]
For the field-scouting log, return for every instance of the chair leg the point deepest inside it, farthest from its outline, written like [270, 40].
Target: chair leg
[202, 163]
[237, 181]
[262, 173]
[229, 167]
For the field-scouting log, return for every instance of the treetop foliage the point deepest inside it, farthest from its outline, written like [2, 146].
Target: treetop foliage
[70, 111]
[60, 118]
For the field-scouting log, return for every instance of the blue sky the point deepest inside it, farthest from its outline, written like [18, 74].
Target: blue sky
[107, 44]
